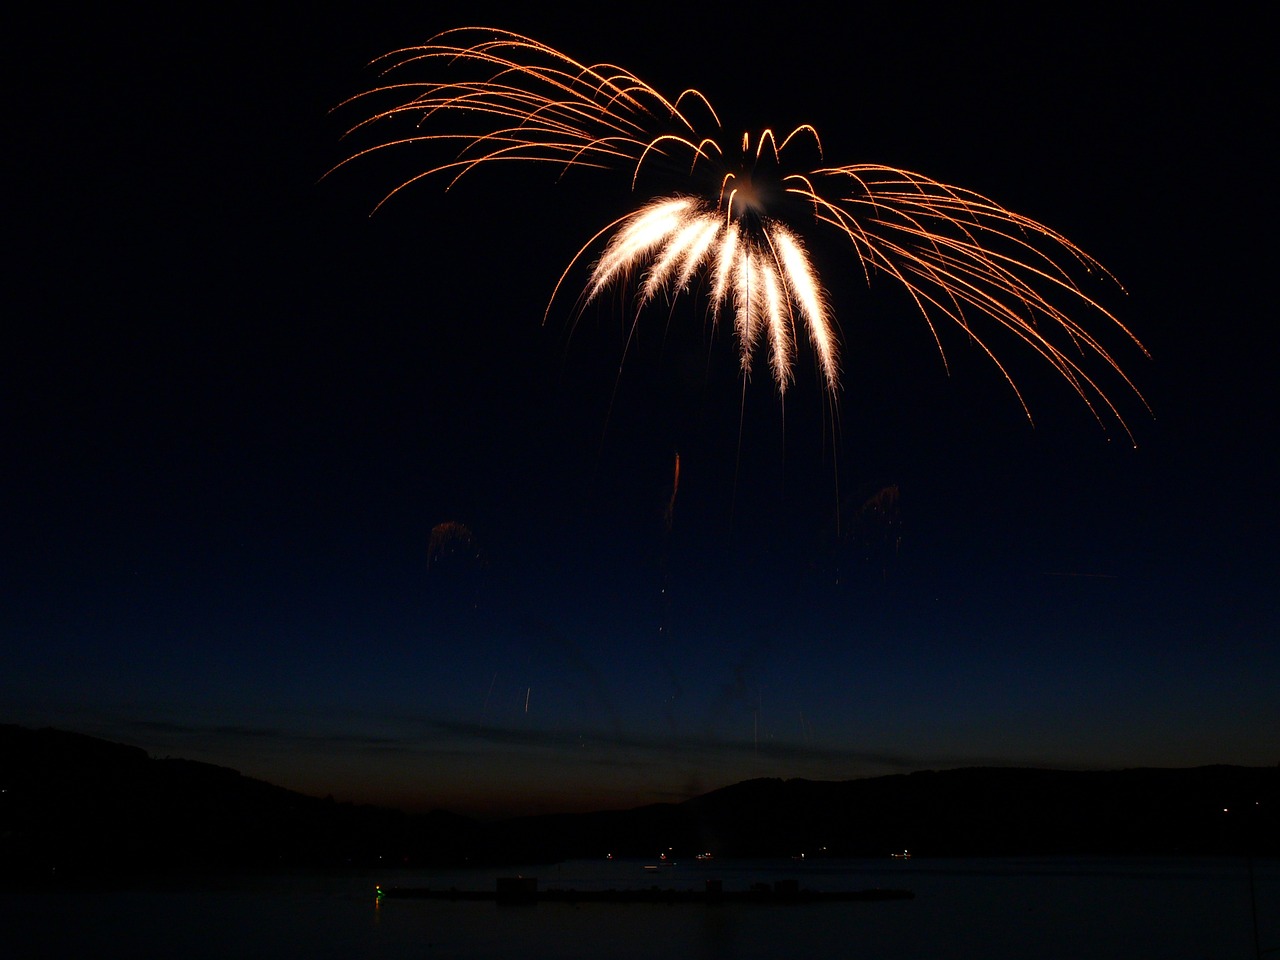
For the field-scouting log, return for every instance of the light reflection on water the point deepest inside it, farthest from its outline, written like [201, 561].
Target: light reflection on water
[1006, 908]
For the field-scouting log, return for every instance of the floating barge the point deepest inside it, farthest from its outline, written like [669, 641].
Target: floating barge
[525, 890]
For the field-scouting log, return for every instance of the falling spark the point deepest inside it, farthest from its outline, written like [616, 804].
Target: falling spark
[669, 516]
[484, 710]
[806, 729]
[497, 96]
[528, 690]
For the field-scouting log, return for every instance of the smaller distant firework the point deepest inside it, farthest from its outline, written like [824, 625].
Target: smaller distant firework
[453, 545]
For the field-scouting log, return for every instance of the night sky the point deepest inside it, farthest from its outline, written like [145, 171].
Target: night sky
[235, 407]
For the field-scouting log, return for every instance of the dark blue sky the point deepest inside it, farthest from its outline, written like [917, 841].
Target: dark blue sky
[235, 408]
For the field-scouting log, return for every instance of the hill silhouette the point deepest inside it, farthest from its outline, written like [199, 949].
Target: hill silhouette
[80, 805]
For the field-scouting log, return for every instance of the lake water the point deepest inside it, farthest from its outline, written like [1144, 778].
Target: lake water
[990, 909]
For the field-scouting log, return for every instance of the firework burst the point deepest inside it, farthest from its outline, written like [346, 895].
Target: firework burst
[964, 259]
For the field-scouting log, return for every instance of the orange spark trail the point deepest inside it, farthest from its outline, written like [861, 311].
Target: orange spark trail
[669, 517]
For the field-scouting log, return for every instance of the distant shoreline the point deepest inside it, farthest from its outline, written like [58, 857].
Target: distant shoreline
[76, 805]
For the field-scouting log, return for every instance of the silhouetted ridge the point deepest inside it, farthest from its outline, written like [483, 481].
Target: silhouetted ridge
[79, 804]
[999, 812]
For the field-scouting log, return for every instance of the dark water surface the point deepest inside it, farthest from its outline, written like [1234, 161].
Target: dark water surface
[994, 909]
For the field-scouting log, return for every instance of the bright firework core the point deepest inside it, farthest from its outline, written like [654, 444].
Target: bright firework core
[749, 190]
[753, 266]
[745, 197]
[752, 263]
